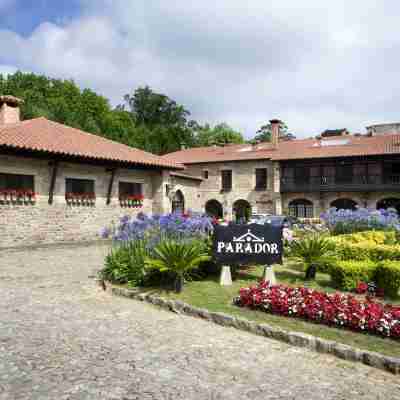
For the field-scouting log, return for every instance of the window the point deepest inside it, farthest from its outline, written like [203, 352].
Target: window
[301, 208]
[261, 178]
[80, 191]
[302, 174]
[226, 177]
[17, 188]
[344, 173]
[205, 174]
[131, 194]
[16, 182]
[79, 186]
[130, 189]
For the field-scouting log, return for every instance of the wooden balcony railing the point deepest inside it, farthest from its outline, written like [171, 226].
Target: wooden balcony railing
[346, 183]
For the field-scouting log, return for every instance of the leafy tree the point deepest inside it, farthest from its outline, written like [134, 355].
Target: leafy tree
[220, 134]
[163, 124]
[264, 133]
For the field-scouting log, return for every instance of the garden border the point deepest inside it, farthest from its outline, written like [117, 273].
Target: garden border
[345, 352]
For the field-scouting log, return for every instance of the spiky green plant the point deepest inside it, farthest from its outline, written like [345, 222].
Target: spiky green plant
[177, 257]
[312, 251]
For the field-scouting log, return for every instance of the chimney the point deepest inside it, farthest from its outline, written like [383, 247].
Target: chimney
[9, 109]
[275, 124]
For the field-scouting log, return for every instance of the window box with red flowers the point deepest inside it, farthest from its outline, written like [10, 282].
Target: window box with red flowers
[131, 201]
[84, 199]
[8, 196]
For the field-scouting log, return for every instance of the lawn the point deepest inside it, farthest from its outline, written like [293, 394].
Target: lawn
[210, 295]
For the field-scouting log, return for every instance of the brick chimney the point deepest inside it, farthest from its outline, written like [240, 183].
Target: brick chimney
[9, 109]
[275, 125]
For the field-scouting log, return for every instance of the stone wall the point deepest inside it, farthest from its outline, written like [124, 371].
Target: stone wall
[59, 222]
[243, 186]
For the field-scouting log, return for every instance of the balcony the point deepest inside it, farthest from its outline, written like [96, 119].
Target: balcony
[361, 183]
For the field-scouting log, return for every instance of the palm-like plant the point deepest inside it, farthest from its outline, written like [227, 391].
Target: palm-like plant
[311, 251]
[177, 257]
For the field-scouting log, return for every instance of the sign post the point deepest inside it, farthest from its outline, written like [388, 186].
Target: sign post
[248, 244]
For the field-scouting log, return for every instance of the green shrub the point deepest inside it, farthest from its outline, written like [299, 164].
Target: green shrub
[311, 251]
[177, 257]
[388, 277]
[126, 263]
[345, 275]
[375, 247]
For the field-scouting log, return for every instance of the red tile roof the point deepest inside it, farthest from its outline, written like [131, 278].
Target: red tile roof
[42, 135]
[339, 146]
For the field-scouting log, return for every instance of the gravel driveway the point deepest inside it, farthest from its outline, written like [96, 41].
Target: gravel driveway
[62, 337]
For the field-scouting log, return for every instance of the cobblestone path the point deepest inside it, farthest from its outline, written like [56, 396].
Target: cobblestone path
[62, 337]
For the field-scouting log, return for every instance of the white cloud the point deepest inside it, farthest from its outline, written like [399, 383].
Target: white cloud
[314, 65]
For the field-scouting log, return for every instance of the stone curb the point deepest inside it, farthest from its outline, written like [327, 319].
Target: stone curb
[372, 359]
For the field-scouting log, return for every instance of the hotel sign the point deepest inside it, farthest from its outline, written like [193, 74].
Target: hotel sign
[247, 244]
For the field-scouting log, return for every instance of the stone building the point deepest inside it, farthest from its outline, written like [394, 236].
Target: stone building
[298, 177]
[62, 184]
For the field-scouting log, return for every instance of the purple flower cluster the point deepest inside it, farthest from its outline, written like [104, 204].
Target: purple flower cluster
[155, 228]
[361, 219]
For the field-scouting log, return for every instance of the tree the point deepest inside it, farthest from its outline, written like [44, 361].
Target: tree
[163, 125]
[220, 134]
[264, 133]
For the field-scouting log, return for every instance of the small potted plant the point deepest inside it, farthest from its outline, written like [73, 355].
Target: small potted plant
[3, 196]
[140, 200]
[92, 199]
[13, 196]
[31, 195]
[68, 198]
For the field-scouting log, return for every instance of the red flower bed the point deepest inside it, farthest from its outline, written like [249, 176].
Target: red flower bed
[341, 310]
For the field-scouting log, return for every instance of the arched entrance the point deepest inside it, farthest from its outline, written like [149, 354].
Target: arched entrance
[390, 202]
[241, 211]
[301, 208]
[214, 209]
[178, 202]
[344, 204]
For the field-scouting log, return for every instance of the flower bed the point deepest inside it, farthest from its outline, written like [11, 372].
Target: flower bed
[330, 309]
[361, 219]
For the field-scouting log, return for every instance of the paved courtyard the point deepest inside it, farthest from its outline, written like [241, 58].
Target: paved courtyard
[62, 337]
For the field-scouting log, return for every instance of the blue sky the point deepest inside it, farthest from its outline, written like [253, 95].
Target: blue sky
[313, 64]
[23, 16]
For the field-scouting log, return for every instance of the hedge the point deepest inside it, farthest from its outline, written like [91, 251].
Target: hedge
[387, 276]
[346, 275]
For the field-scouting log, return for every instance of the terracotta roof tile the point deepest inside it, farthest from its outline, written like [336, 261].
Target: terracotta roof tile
[340, 146]
[40, 134]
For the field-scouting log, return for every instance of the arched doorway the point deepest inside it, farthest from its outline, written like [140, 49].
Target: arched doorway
[344, 204]
[214, 209]
[241, 211]
[390, 202]
[301, 208]
[178, 202]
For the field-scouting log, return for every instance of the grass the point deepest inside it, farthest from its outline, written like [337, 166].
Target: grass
[210, 295]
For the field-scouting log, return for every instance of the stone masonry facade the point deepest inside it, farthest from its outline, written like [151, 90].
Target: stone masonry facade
[270, 200]
[29, 224]
[243, 187]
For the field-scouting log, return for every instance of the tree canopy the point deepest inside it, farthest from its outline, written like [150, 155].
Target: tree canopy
[145, 119]
[264, 133]
[220, 134]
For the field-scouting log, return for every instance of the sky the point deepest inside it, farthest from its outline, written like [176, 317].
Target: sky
[314, 64]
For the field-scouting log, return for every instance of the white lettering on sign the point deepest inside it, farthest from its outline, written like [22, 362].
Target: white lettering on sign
[248, 244]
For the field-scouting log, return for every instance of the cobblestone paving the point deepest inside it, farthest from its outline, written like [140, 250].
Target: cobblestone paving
[62, 337]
